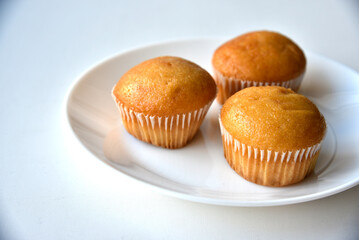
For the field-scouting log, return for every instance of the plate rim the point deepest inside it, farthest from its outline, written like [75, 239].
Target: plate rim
[182, 195]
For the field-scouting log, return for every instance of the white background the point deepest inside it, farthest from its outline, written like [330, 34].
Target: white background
[52, 188]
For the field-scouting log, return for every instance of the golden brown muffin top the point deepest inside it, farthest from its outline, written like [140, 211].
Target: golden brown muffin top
[273, 118]
[260, 56]
[165, 86]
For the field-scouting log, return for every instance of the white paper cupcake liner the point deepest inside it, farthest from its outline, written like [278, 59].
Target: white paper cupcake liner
[172, 131]
[268, 167]
[227, 86]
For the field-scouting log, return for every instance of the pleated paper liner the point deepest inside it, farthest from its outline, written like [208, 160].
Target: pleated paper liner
[173, 131]
[266, 167]
[228, 86]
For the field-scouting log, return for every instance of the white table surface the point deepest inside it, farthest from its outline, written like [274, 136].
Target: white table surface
[52, 188]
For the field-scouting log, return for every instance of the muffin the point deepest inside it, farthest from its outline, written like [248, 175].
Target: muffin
[259, 58]
[271, 135]
[164, 100]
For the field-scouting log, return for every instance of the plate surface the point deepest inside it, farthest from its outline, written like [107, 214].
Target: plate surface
[199, 172]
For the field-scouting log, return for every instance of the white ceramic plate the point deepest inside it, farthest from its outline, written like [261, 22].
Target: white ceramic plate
[199, 171]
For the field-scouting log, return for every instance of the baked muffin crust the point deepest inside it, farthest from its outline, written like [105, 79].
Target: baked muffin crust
[273, 118]
[165, 86]
[261, 56]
